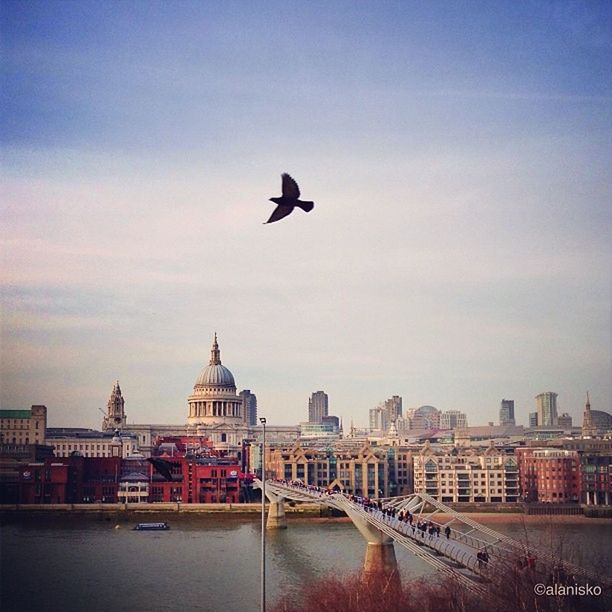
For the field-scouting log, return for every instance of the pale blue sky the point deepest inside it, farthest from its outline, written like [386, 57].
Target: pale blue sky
[458, 154]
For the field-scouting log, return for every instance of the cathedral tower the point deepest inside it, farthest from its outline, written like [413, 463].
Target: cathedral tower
[115, 411]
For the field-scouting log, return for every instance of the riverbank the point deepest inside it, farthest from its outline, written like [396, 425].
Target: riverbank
[301, 511]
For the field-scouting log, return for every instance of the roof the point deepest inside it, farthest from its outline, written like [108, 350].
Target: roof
[15, 414]
[80, 432]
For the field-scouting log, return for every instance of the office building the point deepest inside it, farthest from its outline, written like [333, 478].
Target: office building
[318, 407]
[546, 407]
[249, 407]
[23, 427]
[452, 419]
[506, 412]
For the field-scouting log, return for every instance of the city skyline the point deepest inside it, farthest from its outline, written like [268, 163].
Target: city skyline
[459, 250]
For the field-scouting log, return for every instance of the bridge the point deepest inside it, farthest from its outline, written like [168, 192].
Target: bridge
[459, 547]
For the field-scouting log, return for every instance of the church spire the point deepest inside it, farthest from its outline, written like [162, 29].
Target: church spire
[587, 421]
[215, 353]
[114, 418]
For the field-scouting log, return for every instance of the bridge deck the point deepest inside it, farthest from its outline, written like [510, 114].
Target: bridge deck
[448, 555]
[455, 556]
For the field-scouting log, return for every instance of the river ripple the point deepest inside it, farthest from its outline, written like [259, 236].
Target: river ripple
[204, 562]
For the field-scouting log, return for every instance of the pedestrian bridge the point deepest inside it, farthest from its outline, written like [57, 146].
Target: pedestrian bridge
[456, 546]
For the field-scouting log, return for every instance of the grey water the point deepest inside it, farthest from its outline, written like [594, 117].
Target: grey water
[204, 562]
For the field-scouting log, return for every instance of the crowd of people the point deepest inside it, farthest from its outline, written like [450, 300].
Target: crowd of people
[388, 513]
[419, 527]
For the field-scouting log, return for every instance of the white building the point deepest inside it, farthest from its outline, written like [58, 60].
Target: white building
[91, 443]
[488, 477]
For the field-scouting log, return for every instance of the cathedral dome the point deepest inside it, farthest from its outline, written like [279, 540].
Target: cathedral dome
[215, 374]
[214, 402]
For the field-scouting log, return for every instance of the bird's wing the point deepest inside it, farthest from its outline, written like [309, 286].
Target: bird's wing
[279, 212]
[290, 187]
[162, 467]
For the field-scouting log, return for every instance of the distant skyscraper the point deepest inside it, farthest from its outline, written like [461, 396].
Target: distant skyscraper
[506, 412]
[546, 406]
[249, 407]
[378, 419]
[393, 406]
[318, 406]
[332, 420]
[453, 419]
[533, 419]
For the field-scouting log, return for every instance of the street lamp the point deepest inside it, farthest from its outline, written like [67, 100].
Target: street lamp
[262, 420]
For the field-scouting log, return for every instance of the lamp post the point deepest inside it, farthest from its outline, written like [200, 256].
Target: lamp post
[262, 420]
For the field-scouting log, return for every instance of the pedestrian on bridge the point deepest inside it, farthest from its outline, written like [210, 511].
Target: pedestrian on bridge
[447, 531]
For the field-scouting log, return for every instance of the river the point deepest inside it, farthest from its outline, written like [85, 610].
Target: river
[208, 562]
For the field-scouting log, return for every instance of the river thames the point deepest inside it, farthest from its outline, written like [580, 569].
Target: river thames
[211, 562]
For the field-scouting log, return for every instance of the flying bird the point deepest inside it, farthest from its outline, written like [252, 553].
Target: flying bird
[289, 200]
[162, 466]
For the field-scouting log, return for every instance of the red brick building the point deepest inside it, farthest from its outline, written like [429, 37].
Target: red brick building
[549, 475]
[69, 480]
[200, 474]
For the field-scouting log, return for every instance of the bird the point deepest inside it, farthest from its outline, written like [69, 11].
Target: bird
[162, 466]
[289, 200]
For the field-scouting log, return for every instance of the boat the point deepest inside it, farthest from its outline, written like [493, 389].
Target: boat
[152, 527]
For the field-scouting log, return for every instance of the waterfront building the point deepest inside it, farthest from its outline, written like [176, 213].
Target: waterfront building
[491, 476]
[69, 480]
[353, 468]
[595, 472]
[23, 427]
[546, 407]
[549, 475]
[249, 407]
[452, 419]
[68, 441]
[12, 458]
[318, 407]
[401, 470]
[132, 480]
[506, 412]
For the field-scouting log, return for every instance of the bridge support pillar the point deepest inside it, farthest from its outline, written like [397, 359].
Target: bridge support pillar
[380, 553]
[276, 514]
[380, 559]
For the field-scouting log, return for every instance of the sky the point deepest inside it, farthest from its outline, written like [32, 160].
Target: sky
[458, 154]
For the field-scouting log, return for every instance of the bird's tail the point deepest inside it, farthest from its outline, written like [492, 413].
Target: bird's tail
[305, 206]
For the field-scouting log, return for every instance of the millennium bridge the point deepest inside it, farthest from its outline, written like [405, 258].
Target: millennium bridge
[457, 546]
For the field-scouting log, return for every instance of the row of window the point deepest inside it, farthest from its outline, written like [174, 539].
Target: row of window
[17, 424]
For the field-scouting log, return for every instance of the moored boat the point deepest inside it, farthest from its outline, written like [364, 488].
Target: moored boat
[152, 527]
